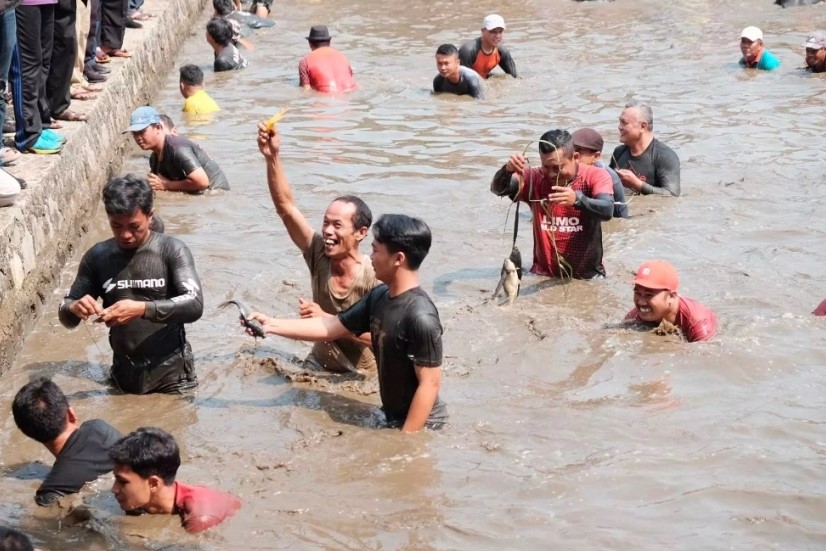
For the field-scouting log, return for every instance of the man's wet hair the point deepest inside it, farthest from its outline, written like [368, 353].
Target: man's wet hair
[363, 217]
[167, 122]
[192, 75]
[404, 234]
[12, 540]
[40, 409]
[148, 451]
[558, 140]
[645, 111]
[223, 7]
[127, 194]
[447, 49]
[220, 30]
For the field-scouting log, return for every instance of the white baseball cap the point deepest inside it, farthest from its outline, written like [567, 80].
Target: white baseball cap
[493, 21]
[752, 33]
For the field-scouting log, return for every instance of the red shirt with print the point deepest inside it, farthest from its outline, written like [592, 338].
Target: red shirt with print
[576, 233]
[327, 70]
[697, 322]
[202, 508]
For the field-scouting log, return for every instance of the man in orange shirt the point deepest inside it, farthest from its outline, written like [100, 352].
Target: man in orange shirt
[325, 69]
[483, 54]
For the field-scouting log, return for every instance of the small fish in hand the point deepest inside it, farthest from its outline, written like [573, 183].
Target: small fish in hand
[245, 312]
[272, 122]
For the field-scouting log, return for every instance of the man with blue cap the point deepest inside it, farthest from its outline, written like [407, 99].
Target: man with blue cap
[176, 163]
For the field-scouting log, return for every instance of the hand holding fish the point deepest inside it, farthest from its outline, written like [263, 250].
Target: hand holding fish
[562, 195]
[269, 141]
[266, 323]
[84, 307]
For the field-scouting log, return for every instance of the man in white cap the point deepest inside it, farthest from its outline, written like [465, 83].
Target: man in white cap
[755, 55]
[816, 52]
[483, 54]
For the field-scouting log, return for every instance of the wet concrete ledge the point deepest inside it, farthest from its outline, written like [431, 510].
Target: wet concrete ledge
[40, 232]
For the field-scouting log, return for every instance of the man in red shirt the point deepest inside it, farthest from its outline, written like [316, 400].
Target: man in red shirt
[568, 200]
[656, 299]
[325, 69]
[146, 462]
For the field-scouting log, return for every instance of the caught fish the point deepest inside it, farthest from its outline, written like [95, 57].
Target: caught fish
[273, 121]
[245, 312]
[511, 276]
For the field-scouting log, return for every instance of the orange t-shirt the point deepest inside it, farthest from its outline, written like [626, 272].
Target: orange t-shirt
[485, 63]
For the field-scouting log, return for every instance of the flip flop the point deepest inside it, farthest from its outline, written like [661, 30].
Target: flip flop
[43, 151]
[118, 53]
[74, 116]
[102, 59]
[82, 95]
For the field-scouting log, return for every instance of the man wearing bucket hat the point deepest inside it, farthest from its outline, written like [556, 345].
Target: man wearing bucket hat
[483, 54]
[755, 55]
[176, 163]
[325, 69]
[816, 52]
[656, 299]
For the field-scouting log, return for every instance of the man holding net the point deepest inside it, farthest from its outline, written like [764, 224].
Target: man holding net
[568, 201]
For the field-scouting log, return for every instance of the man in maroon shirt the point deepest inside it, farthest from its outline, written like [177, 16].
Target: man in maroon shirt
[146, 462]
[656, 299]
[568, 200]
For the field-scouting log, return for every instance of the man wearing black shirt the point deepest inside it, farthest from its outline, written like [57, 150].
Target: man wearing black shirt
[176, 163]
[150, 289]
[403, 323]
[81, 452]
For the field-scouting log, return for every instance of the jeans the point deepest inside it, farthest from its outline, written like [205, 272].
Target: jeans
[8, 40]
[135, 5]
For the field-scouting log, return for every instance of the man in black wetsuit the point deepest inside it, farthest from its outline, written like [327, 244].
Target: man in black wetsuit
[42, 412]
[453, 77]
[644, 164]
[403, 323]
[176, 163]
[150, 289]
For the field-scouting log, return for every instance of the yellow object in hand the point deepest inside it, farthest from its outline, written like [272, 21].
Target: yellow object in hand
[273, 121]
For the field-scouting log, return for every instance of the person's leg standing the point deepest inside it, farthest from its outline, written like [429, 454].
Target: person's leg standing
[46, 44]
[82, 19]
[8, 39]
[29, 125]
[113, 24]
[64, 52]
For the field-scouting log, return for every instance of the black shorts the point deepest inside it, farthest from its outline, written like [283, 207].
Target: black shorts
[171, 375]
[266, 3]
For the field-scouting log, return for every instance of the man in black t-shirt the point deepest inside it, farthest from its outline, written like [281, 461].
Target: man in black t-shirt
[176, 163]
[403, 323]
[453, 77]
[42, 412]
[644, 164]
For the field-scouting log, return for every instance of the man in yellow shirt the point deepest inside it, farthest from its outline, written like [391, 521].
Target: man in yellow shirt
[197, 101]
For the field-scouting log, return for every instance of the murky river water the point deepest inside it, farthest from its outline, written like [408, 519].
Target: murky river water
[567, 433]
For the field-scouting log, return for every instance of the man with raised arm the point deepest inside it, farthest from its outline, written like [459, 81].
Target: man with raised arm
[150, 289]
[644, 164]
[403, 323]
[340, 274]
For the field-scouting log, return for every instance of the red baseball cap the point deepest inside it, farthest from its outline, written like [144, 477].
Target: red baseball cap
[657, 274]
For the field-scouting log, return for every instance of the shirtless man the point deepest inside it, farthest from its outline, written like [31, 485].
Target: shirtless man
[340, 274]
[483, 54]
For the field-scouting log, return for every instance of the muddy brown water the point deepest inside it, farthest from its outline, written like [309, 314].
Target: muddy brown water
[566, 431]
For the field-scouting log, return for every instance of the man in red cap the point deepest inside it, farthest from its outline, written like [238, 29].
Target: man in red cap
[656, 299]
[325, 69]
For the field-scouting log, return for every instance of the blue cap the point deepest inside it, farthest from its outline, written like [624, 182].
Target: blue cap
[143, 117]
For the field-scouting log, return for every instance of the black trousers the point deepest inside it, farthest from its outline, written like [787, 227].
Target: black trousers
[113, 23]
[64, 53]
[92, 42]
[35, 32]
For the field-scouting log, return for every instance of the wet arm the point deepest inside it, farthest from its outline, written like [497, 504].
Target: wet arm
[425, 396]
[303, 74]
[504, 183]
[601, 206]
[297, 226]
[187, 305]
[195, 181]
[667, 176]
[507, 63]
[83, 285]
[305, 329]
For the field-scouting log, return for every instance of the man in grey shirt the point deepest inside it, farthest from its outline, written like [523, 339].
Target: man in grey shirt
[453, 77]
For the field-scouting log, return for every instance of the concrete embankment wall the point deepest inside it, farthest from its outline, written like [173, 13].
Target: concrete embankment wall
[40, 232]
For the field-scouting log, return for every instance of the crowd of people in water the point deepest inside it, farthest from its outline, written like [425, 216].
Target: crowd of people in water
[367, 315]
